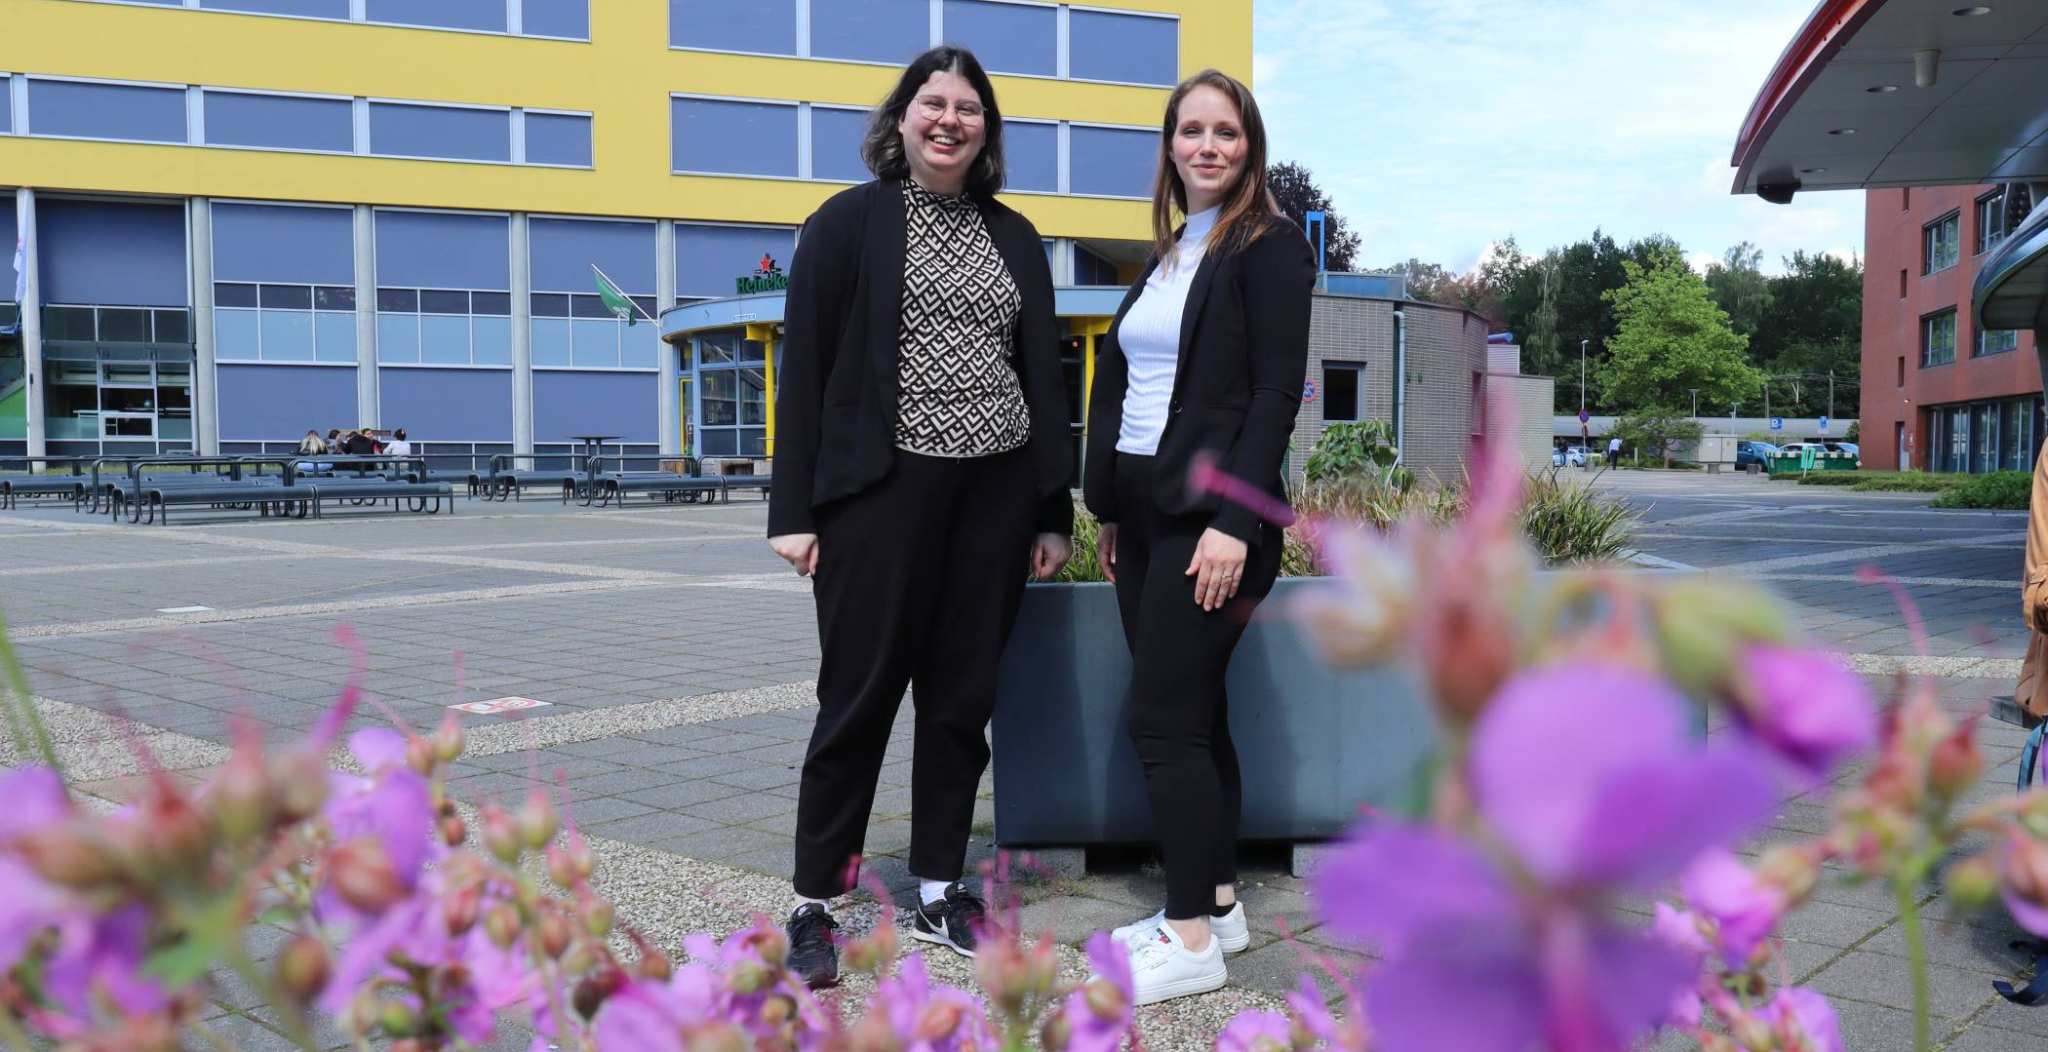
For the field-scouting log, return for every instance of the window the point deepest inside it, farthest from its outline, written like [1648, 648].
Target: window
[1995, 341]
[1990, 220]
[571, 325]
[1340, 390]
[1902, 371]
[444, 327]
[335, 9]
[441, 132]
[1006, 37]
[6, 105]
[284, 323]
[1031, 149]
[765, 27]
[733, 137]
[558, 138]
[710, 259]
[1940, 243]
[128, 112]
[278, 122]
[567, 19]
[1091, 269]
[890, 31]
[578, 331]
[1905, 198]
[1111, 162]
[1938, 338]
[835, 144]
[485, 15]
[1902, 283]
[1136, 49]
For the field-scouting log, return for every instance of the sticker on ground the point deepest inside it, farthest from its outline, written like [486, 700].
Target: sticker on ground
[498, 705]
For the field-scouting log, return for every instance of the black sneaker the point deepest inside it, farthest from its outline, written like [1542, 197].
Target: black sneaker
[952, 920]
[813, 955]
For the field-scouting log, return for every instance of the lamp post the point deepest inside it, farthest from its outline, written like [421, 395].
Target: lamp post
[1582, 374]
[1695, 401]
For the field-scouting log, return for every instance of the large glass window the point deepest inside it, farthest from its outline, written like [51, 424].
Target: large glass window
[558, 138]
[711, 259]
[6, 105]
[1031, 151]
[577, 330]
[335, 9]
[569, 19]
[1006, 37]
[891, 31]
[733, 137]
[1996, 341]
[484, 15]
[1941, 243]
[284, 323]
[1938, 338]
[2015, 434]
[1990, 219]
[1131, 48]
[1111, 162]
[766, 27]
[835, 144]
[444, 326]
[441, 132]
[278, 122]
[732, 392]
[107, 111]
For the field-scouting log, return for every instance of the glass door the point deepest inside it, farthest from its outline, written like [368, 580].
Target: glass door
[128, 401]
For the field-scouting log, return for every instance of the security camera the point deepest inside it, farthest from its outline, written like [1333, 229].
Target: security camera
[1778, 192]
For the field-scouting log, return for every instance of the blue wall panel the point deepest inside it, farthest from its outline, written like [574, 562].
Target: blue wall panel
[764, 26]
[556, 18]
[729, 136]
[835, 144]
[276, 243]
[558, 138]
[448, 250]
[283, 402]
[285, 122]
[295, 8]
[1007, 38]
[1117, 162]
[870, 30]
[450, 132]
[447, 405]
[571, 403]
[106, 111]
[486, 15]
[8, 234]
[1032, 153]
[1135, 49]
[564, 249]
[108, 253]
[708, 258]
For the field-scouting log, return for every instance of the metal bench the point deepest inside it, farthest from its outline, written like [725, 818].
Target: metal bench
[267, 496]
[66, 487]
[687, 486]
[419, 497]
[505, 482]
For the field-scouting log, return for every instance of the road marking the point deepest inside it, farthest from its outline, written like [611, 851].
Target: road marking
[182, 609]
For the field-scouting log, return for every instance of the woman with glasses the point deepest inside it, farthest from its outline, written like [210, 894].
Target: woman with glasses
[921, 472]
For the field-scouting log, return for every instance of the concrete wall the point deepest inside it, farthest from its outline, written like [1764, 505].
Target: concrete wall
[1446, 366]
[1528, 400]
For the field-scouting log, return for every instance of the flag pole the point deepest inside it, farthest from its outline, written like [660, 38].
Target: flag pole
[622, 291]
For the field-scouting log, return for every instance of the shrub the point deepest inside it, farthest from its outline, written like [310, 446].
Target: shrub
[1907, 482]
[1361, 450]
[2000, 489]
[1571, 524]
[1828, 478]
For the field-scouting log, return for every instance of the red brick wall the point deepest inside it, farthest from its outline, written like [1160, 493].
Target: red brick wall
[1892, 224]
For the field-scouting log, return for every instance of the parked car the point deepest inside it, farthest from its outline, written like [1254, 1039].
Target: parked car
[1850, 448]
[1573, 456]
[1749, 452]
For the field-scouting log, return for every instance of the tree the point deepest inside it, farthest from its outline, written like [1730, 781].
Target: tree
[1541, 345]
[1657, 433]
[1670, 339]
[1811, 330]
[1297, 193]
[1428, 282]
[1740, 288]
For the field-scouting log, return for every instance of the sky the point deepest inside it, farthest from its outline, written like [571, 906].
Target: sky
[1440, 127]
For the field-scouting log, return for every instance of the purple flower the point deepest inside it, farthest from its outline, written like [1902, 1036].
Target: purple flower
[931, 1018]
[396, 809]
[639, 1016]
[1799, 1013]
[1744, 910]
[35, 798]
[1099, 1013]
[1807, 708]
[101, 963]
[28, 906]
[1680, 930]
[1590, 778]
[1256, 1032]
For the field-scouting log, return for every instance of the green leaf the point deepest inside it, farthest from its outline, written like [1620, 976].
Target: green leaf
[211, 932]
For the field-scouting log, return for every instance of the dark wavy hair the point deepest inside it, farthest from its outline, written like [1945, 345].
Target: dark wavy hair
[883, 147]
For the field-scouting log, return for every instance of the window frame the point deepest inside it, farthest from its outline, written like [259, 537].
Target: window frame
[1357, 370]
[809, 133]
[1980, 346]
[520, 113]
[1067, 175]
[312, 311]
[377, 314]
[1984, 204]
[797, 106]
[350, 20]
[1928, 242]
[368, 147]
[1927, 323]
[199, 136]
[27, 80]
[1066, 60]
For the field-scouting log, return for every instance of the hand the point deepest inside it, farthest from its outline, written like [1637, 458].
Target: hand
[1217, 567]
[1050, 554]
[1105, 551]
[799, 550]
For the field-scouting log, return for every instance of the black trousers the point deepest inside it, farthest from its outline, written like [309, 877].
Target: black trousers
[918, 582]
[1179, 716]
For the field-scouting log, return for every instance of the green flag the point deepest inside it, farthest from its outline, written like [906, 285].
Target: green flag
[615, 301]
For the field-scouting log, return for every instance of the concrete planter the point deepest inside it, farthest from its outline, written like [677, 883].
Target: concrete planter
[1315, 744]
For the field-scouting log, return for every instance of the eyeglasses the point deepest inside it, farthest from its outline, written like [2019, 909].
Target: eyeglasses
[934, 109]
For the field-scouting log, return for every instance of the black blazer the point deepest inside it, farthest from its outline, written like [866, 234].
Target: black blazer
[1243, 360]
[835, 398]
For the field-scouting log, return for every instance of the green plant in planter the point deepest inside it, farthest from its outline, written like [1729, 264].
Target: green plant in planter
[1362, 450]
[1572, 524]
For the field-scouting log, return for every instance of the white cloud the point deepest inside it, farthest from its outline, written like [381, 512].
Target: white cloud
[1700, 261]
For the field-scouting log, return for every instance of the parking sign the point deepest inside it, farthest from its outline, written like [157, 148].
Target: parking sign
[1823, 425]
[1777, 423]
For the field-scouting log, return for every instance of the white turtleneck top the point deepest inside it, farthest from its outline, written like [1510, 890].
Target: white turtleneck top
[1149, 338]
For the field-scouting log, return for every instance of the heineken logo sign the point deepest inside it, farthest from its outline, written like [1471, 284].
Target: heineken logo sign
[768, 277]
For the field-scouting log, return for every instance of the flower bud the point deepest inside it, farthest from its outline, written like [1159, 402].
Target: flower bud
[501, 925]
[1792, 870]
[598, 917]
[778, 1010]
[770, 944]
[1972, 882]
[873, 952]
[1105, 1001]
[409, 1044]
[594, 989]
[1703, 626]
[1710, 1042]
[1956, 764]
[872, 1033]
[363, 1012]
[1753, 1034]
[300, 779]
[561, 869]
[448, 740]
[70, 855]
[462, 909]
[179, 837]
[501, 838]
[654, 965]
[938, 1022]
[1053, 1037]
[397, 1018]
[419, 755]
[554, 934]
[719, 1037]
[537, 821]
[1468, 651]
[240, 796]
[750, 977]
[302, 967]
[362, 874]
[453, 831]
[580, 958]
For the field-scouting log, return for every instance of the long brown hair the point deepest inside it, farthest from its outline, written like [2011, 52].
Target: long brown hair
[1246, 206]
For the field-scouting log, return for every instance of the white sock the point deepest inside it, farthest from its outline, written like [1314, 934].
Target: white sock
[802, 901]
[930, 891]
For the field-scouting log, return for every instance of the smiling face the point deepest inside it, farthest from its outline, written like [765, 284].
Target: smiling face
[943, 130]
[1208, 146]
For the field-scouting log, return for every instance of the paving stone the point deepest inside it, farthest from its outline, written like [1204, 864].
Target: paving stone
[742, 808]
[1833, 924]
[685, 795]
[1881, 979]
[652, 826]
[1277, 968]
[1980, 1038]
[1071, 919]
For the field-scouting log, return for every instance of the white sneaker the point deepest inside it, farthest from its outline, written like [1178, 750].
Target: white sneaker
[1162, 967]
[1231, 931]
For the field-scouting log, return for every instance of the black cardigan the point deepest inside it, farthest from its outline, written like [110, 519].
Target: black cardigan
[1243, 361]
[835, 398]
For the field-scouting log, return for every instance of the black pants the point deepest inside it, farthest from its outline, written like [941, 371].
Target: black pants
[1179, 716]
[918, 583]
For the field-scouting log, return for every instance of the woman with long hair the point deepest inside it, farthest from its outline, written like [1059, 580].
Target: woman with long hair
[921, 470]
[1199, 380]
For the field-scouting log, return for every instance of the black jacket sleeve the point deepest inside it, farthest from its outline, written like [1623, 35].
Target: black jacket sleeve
[1279, 277]
[1105, 418]
[821, 283]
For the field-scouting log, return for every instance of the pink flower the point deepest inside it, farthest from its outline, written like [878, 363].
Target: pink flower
[1256, 1032]
[1744, 910]
[1681, 931]
[931, 1018]
[1099, 1014]
[1590, 778]
[640, 1016]
[101, 963]
[1804, 1020]
[1807, 708]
